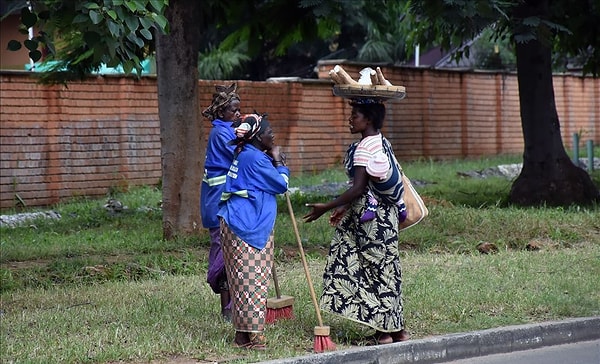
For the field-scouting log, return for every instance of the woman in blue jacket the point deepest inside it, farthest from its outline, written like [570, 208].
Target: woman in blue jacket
[224, 109]
[247, 215]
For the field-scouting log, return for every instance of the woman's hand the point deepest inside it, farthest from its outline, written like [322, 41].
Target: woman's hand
[337, 215]
[318, 209]
[277, 155]
[275, 152]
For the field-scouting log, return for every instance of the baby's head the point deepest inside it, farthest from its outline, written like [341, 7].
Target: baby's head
[378, 166]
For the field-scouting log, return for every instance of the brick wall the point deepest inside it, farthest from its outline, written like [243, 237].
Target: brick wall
[59, 142]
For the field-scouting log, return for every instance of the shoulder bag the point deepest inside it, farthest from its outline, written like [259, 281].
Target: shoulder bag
[398, 187]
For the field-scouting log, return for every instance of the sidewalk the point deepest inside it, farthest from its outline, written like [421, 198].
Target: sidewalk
[439, 349]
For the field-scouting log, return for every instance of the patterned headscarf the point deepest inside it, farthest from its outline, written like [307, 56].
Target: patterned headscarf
[221, 99]
[247, 128]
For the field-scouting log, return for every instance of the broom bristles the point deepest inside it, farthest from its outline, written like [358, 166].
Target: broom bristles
[279, 308]
[283, 313]
[322, 340]
[323, 343]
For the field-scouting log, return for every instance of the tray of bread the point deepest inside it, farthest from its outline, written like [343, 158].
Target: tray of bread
[371, 84]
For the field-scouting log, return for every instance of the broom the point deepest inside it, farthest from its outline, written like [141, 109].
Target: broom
[322, 340]
[280, 307]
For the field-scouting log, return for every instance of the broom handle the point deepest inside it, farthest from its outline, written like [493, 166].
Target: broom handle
[306, 272]
[275, 282]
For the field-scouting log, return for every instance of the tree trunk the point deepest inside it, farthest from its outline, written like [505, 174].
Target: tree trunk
[548, 176]
[182, 141]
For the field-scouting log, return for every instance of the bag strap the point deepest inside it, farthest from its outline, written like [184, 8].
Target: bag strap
[390, 153]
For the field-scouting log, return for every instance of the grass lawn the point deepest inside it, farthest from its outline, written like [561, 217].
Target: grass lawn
[96, 287]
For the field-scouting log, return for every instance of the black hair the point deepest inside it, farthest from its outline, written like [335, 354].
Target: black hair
[372, 111]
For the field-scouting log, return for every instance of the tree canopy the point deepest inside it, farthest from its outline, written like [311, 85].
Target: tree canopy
[78, 37]
[537, 27]
[571, 29]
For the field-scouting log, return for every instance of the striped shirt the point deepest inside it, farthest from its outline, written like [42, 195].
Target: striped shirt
[366, 149]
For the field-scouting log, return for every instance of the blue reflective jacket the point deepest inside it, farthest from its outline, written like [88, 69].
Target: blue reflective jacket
[219, 155]
[249, 204]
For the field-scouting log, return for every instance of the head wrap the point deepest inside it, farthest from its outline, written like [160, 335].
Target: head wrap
[247, 128]
[221, 99]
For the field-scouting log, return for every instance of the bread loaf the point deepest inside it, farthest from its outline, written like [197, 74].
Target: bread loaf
[381, 80]
[344, 76]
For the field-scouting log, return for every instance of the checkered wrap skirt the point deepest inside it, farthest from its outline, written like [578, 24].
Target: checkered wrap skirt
[248, 274]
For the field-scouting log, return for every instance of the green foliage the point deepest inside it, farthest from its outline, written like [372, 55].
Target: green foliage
[81, 36]
[218, 64]
[570, 26]
[493, 53]
[387, 31]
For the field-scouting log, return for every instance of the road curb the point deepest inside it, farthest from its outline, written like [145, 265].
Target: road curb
[439, 349]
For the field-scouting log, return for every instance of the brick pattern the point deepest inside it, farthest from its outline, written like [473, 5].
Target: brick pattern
[58, 142]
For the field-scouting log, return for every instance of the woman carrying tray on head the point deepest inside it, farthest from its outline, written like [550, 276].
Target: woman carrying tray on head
[362, 280]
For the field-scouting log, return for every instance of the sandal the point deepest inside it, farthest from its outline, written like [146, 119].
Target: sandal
[247, 345]
[256, 341]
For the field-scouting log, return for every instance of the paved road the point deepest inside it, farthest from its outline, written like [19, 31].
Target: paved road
[571, 341]
[585, 352]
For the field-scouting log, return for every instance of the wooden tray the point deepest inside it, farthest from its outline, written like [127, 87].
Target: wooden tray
[368, 91]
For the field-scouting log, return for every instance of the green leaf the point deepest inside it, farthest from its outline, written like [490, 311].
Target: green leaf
[112, 14]
[99, 52]
[114, 28]
[135, 39]
[91, 5]
[35, 55]
[160, 20]
[128, 66]
[132, 23]
[532, 21]
[80, 18]
[31, 44]
[120, 12]
[13, 45]
[85, 55]
[28, 18]
[524, 37]
[95, 17]
[141, 5]
[146, 22]
[131, 6]
[157, 5]
[146, 34]
[113, 62]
